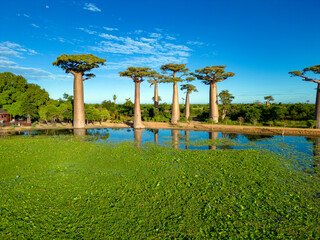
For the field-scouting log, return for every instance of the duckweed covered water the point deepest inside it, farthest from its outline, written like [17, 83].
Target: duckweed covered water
[67, 188]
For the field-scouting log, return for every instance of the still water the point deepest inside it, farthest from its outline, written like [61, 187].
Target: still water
[304, 151]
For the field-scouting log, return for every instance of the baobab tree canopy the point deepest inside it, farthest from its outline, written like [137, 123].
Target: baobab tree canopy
[79, 63]
[315, 69]
[174, 69]
[189, 87]
[137, 73]
[214, 73]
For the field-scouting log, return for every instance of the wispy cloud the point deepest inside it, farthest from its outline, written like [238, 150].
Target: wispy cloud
[7, 65]
[9, 49]
[195, 43]
[91, 7]
[34, 25]
[140, 48]
[111, 29]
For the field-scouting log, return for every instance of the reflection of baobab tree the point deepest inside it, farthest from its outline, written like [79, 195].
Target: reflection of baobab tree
[213, 136]
[175, 138]
[316, 153]
[79, 131]
[156, 136]
[137, 134]
[187, 136]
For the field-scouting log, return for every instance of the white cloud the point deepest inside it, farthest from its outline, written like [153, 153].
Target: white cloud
[111, 29]
[25, 15]
[91, 7]
[87, 30]
[147, 49]
[195, 43]
[9, 49]
[47, 6]
[34, 25]
[7, 65]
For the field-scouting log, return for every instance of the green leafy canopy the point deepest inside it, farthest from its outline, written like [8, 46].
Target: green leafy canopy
[79, 63]
[137, 73]
[213, 74]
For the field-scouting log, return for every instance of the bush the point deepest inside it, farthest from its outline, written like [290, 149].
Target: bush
[34, 124]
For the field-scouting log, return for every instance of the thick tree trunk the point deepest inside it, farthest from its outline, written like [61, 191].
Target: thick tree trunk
[78, 103]
[156, 136]
[213, 136]
[187, 136]
[317, 109]
[187, 110]
[137, 135]
[156, 97]
[175, 105]
[214, 111]
[28, 118]
[137, 123]
[175, 138]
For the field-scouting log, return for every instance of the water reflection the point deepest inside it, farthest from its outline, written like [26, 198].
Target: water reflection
[137, 135]
[78, 132]
[213, 136]
[175, 138]
[187, 138]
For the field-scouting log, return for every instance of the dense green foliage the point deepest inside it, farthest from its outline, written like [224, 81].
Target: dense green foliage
[20, 98]
[63, 188]
[80, 63]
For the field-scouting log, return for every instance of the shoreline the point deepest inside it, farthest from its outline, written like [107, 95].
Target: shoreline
[194, 126]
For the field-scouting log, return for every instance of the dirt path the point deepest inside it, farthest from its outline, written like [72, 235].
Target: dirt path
[194, 126]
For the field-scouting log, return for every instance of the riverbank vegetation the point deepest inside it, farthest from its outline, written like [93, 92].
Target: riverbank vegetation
[23, 100]
[66, 187]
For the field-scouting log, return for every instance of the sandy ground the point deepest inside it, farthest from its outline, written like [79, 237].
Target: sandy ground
[195, 126]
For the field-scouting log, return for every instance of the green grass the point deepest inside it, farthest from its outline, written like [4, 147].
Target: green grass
[67, 188]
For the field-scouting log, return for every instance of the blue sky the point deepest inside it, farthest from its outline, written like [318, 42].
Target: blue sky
[260, 41]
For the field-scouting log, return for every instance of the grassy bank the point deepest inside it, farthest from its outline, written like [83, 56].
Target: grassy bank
[62, 187]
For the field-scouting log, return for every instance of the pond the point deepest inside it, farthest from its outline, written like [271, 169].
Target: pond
[303, 151]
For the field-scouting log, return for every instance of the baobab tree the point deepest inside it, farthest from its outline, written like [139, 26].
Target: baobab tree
[316, 70]
[78, 66]
[137, 74]
[154, 79]
[210, 76]
[268, 99]
[172, 70]
[189, 89]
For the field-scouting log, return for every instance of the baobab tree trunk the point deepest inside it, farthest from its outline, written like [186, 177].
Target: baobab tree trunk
[187, 136]
[317, 109]
[224, 114]
[137, 135]
[214, 111]
[78, 108]
[213, 136]
[137, 112]
[175, 138]
[175, 105]
[156, 97]
[187, 110]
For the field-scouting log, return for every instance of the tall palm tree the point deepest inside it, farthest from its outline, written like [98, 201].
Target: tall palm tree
[172, 70]
[78, 66]
[189, 89]
[210, 76]
[137, 74]
[114, 99]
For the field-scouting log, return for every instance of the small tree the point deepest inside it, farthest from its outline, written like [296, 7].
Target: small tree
[154, 79]
[210, 76]
[225, 99]
[78, 66]
[114, 99]
[137, 74]
[316, 70]
[189, 89]
[268, 99]
[172, 70]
